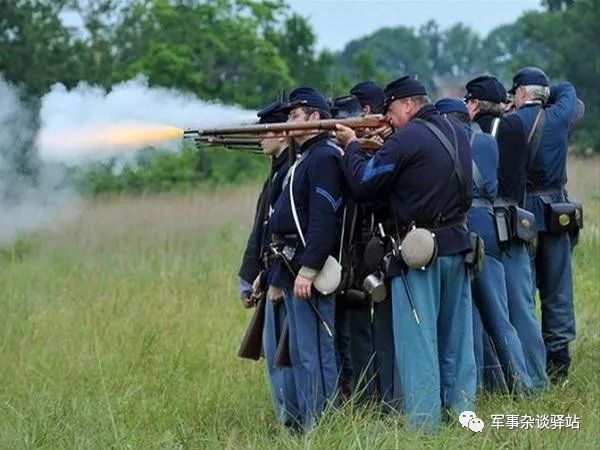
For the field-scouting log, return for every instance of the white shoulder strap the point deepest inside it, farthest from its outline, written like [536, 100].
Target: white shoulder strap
[295, 212]
[342, 236]
[293, 203]
[495, 124]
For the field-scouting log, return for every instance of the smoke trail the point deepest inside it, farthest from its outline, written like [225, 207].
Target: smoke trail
[82, 125]
[88, 122]
[32, 193]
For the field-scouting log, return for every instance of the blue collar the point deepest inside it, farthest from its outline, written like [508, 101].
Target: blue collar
[426, 112]
[280, 160]
[312, 141]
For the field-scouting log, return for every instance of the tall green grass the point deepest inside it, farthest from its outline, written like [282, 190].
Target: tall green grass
[120, 331]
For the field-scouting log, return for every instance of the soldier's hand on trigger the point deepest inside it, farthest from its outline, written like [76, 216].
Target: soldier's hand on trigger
[371, 143]
[383, 132]
[344, 135]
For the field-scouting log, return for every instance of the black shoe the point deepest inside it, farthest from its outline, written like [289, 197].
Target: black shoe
[558, 364]
[346, 391]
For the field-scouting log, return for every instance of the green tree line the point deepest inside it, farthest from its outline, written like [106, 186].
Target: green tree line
[245, 51]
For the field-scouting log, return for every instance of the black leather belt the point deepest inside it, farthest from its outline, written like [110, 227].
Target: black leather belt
[279, 239]
[447, 224]
[461, 221]
[541, 192]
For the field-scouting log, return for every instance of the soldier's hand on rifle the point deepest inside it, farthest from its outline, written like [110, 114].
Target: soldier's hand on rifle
[383, 132]
[275, 294]
[371, 143]
[246, 293]
[248, 302]
[344, 135]
[302, 287]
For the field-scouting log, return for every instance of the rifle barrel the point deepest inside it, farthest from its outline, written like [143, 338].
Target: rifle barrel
[222, 140]
[252, 144]
[371, 121]
[190, 133]
[254, 149]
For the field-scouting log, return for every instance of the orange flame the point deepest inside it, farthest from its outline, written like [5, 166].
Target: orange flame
[106, 138]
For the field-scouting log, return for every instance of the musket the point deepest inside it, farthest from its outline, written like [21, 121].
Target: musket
[251, 346]
[222, 140]
[246, 141]
[371, 121]
[253, 145]
[249, 144]
[282, 353]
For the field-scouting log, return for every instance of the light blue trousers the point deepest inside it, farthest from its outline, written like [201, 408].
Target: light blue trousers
[435, 358]
[281, 379]
[552, 272]
[312, 352]
[521, 307]
[491, 301]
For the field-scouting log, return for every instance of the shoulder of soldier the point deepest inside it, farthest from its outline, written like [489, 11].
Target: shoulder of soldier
[408, 135]
[405, 140]
[460, 127]
[326, 151]
[333, 147]
[511, 122]
[484, 139]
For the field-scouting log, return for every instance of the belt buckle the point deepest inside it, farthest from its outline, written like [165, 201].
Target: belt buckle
[288, 252]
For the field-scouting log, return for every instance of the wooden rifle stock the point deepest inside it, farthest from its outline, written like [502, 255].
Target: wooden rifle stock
[251, 346]
[282, 354]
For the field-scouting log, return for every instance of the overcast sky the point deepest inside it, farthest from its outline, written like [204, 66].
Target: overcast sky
[336, 22]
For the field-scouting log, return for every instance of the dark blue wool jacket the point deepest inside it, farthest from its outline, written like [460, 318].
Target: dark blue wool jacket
[413, 170]
[512, 147]
[484, 151]
[481, 219]
[548, 171]
[319, 202]
[257, 244]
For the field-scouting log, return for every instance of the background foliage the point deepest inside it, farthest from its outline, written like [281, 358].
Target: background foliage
[245, 52]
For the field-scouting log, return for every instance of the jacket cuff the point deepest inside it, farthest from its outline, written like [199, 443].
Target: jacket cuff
[245, 288]
[308, 273]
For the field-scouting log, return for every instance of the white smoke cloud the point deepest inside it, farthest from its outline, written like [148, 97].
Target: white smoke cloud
[71, 121]
[73, 130]
[32, 193]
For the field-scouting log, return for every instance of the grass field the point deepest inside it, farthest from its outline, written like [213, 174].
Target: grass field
[120, 329]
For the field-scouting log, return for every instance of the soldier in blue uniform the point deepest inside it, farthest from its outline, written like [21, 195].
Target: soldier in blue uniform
[422, 171]
[370, 95]
[371, 326]
[315, 189]
[489, 285]
[254, 270]
[485, 97]
[342, 108]
[547, 114]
